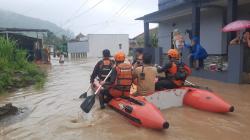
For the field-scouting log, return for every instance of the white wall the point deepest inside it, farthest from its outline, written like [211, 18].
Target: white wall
[99, 42]
[78, 47]
[210, 32]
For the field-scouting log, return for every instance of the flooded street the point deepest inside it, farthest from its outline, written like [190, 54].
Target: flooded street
[53, 113]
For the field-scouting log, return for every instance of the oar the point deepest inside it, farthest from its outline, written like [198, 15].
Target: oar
[196, 86]
[90, 100]
[84, 95]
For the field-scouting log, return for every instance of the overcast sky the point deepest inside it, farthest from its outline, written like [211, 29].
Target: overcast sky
[87, 16]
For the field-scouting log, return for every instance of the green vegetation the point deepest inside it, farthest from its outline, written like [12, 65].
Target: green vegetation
[15, 70]
[153, 38]
[60, 43]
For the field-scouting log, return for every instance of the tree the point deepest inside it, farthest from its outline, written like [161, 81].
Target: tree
[154, 40]
[60, 43]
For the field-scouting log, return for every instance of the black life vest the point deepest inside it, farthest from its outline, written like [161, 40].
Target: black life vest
[105, 67]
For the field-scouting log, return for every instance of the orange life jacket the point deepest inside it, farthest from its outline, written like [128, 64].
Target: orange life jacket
[124, 77]
[178, 72]
[105, 68]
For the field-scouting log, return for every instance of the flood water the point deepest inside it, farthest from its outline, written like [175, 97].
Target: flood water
[53, 113]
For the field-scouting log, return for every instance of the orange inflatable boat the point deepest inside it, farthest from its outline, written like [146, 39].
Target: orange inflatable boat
[138, 111]
[193, 97]
[206, 100]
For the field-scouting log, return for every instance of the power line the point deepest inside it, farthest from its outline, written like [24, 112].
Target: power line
[107, 22]
[123, 6]
[117, 13]
[76, 11]
[84, 12]
[125, 11]
[120, 11]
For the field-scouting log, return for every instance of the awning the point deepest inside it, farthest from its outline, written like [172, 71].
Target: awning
[176, 11]
[163, 15]
[22, 30]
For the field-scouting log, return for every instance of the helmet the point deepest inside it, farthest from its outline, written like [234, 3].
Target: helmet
[120, 56]
[173, 53]
[106, 53]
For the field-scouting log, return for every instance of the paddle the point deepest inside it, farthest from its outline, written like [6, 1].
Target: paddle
[196, 86]
[90, 100]
[84, 95]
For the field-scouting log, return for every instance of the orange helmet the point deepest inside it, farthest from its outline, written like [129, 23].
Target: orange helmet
[173, 53]
[120, 56]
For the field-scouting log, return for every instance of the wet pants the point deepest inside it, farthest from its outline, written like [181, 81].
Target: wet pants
[164, 84]
[104, 97]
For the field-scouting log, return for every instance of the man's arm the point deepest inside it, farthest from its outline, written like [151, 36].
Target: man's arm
[135, 76]
[248, 41]
[112, 77]
[134, 61]
[95, 72]
[164, 68]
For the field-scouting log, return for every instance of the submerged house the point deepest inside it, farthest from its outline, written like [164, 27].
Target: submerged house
[27, 39]
[78, 47]
[91, 46]
[205, 18]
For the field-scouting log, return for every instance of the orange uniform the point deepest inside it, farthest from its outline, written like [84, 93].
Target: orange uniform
[122, 80]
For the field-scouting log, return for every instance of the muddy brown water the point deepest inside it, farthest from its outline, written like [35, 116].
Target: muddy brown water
[53, 113]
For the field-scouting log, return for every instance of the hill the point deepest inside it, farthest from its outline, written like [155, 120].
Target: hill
[14, 20]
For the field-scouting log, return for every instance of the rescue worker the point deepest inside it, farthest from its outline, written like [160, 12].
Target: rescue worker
[102, 67]
[145, 76]
[138, 58]
[175, 72]
[120, 80]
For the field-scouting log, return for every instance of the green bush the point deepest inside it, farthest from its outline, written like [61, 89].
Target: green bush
[15, 70]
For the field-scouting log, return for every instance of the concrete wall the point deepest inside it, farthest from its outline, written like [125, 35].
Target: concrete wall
[244, 12]
[211, 35]
[98, 42]
[232, 75]
[78, 47]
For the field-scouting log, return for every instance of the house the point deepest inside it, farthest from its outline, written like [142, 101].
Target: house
[80, 37]
[77, 48]
[113, 42]
[138, 41]
[205, 18]
[33, 44]
[91, 46]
